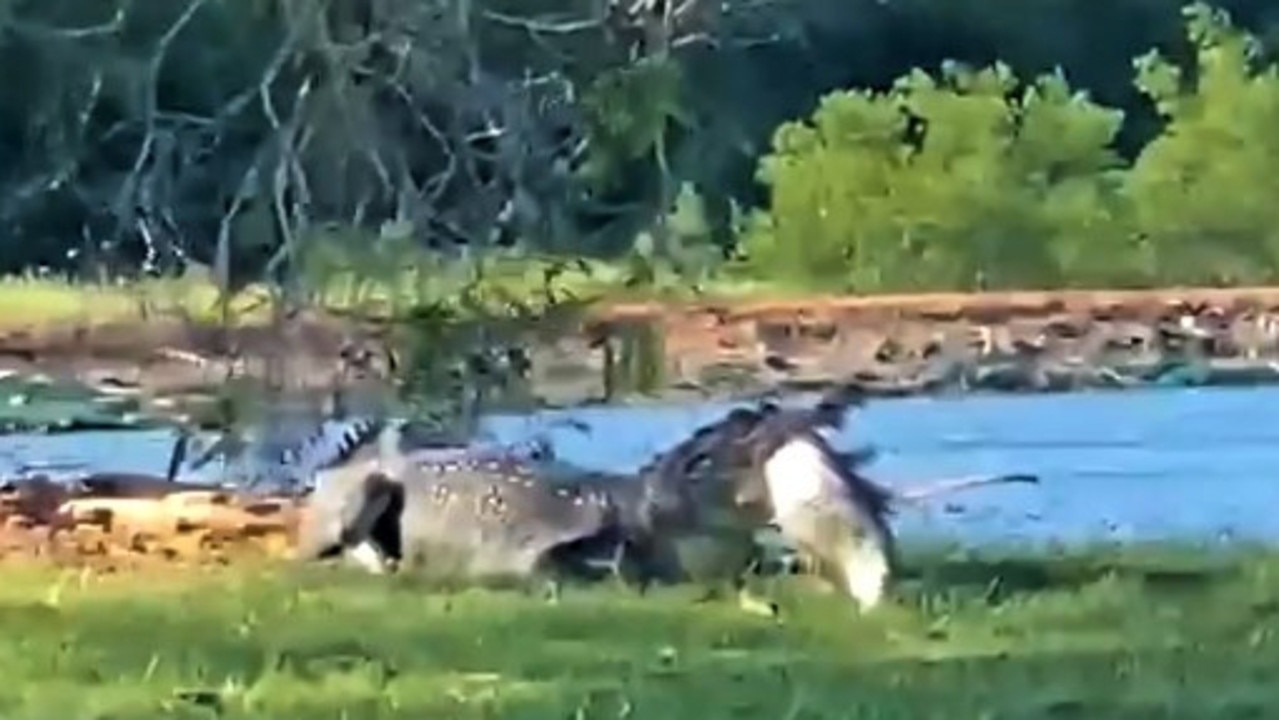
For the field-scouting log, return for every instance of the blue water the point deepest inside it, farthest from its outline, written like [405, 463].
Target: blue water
[1200, 465]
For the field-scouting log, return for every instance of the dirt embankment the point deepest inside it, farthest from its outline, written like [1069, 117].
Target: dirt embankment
[825, 319]
[816, 338]
[900, 339]
[50, 522]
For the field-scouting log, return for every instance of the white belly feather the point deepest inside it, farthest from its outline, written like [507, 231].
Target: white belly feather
[797, 475]
[803, 486]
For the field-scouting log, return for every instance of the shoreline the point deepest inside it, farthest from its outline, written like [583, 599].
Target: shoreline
[951, 304]
[753, 304]
[894, 345]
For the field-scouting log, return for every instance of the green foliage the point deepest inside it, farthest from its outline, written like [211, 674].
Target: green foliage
[1204, 191]
[139, 120]
[972, 180]
[628, 111]
[463, 325]
[686, 257]
[939, 183]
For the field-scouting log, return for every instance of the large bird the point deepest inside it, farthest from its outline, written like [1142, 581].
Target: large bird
[775, 467]
[822, 503]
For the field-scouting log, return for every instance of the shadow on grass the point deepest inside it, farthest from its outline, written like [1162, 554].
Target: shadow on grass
[1001, 577]
[1117, 678]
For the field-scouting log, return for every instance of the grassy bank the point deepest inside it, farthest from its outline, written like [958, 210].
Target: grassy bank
[39, 302]
[1133, 633]
[31, 301]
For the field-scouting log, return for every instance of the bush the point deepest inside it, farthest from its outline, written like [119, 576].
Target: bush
[972, 180]
[1204, 192]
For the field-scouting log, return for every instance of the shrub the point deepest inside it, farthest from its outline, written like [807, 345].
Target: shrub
[1204, 192]
[973, 180]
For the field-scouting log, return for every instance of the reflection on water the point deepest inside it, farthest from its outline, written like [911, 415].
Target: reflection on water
[1202, 464]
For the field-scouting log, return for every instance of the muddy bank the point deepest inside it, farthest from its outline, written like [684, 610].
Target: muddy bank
[129, 374]
[1024, 341]
[1033, 341]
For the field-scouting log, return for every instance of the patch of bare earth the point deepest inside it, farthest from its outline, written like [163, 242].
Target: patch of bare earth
[47, 522]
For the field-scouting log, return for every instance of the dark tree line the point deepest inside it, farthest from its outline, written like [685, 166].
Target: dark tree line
[135, 135]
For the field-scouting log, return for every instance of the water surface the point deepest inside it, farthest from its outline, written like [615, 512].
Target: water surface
[1139, 465]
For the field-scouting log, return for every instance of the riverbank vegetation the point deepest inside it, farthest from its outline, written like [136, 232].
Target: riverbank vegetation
[420, 280]
[976, 178]
[995, 149]
[481, 170]
[1149, 632]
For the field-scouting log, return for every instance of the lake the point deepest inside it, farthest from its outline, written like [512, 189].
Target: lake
[1200, 465]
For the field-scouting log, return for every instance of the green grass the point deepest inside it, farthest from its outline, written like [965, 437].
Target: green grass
[38, 302]
[42, 301]
[1136, 633]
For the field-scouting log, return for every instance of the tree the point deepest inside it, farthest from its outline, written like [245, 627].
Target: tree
[964, 181]
[1204, 190]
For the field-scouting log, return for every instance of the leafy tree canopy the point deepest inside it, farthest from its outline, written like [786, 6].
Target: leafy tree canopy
[1032, 150]
[971, 179]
